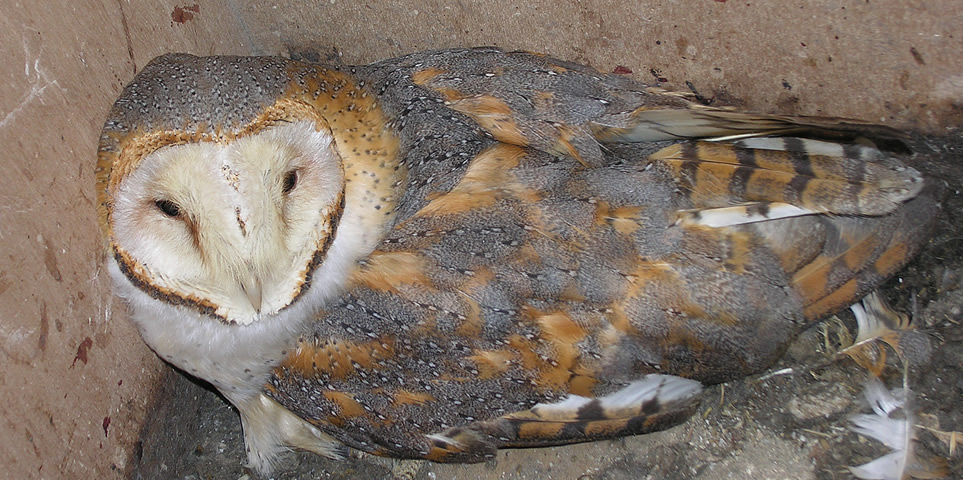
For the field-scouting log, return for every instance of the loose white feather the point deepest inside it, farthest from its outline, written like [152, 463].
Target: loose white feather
[896, 433]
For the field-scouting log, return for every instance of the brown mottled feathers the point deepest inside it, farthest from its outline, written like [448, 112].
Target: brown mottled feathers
[567, 254]
[560, 239]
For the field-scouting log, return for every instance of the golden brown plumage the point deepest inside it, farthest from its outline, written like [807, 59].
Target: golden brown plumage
[509, 250]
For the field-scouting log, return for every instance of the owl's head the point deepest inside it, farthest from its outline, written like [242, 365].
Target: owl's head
[237, 195]
[233, 228]
[219, 191]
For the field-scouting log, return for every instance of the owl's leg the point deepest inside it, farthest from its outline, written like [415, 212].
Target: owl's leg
[270, 429]
[653, 403]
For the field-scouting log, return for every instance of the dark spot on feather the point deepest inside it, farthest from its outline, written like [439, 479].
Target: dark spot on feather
[651, 407]
[591, 411]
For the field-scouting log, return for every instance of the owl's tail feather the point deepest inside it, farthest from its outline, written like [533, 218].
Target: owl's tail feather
[841, 216]
[859, 253]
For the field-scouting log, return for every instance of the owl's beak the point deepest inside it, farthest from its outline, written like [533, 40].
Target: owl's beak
[252, 288]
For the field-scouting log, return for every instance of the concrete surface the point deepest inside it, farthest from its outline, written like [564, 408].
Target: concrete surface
[891, 61]
[75, 380]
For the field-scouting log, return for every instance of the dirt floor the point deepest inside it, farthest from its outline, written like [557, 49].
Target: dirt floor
[790, 423]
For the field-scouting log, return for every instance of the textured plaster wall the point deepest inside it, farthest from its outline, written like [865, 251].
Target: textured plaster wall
[75, 380]
[892, 61]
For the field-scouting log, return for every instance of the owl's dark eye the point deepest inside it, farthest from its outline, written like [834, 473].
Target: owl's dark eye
[290, 181]
[168, 207]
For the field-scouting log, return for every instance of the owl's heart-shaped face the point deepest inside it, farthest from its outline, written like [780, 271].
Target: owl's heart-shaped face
[233, 229]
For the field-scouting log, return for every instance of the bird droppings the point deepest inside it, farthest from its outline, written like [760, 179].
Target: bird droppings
[82, 350]
[185, 14]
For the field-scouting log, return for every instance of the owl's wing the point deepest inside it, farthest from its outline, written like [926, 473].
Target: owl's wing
[527, 304]
[532, 282]
[653, 403]
[748, 167]
[360, 419]
[565, 108]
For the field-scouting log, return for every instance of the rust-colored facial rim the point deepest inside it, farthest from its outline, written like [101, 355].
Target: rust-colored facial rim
[114, 164]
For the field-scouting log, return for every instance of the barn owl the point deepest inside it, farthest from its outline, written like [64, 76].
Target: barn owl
[451, 252]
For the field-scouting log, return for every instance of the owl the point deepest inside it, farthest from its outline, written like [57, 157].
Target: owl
[444, 254]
